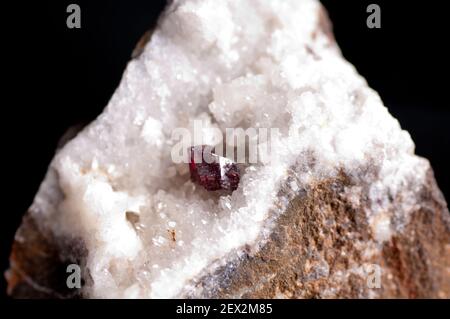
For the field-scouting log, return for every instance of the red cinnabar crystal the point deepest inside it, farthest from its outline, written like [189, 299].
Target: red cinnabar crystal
[212, 171]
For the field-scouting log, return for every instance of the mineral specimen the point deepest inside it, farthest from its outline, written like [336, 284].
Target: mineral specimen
[343, 208]
[216, 173]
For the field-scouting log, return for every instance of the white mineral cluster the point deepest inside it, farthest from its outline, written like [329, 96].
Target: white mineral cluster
[150, 232]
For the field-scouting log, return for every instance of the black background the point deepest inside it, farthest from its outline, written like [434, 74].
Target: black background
[57, 77]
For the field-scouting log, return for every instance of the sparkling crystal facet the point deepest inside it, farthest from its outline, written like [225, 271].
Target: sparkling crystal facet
[212, 171]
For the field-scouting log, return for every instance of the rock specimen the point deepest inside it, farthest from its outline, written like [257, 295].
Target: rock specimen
[342, 209]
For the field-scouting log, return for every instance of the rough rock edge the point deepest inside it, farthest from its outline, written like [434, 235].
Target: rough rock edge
[38, 262]
[319, 247]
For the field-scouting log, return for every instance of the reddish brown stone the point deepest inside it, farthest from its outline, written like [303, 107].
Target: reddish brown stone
[322, 235]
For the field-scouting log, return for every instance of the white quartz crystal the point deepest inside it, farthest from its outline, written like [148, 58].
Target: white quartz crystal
[252, 63]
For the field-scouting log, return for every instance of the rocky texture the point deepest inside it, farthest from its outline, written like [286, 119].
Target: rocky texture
[38, 266]
[341, 193]
[323, 247]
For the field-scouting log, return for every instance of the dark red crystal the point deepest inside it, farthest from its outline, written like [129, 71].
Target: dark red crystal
[212, 171]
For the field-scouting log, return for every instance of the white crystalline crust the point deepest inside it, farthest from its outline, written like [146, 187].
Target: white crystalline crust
[253, 63]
